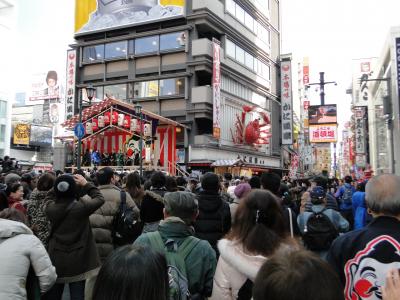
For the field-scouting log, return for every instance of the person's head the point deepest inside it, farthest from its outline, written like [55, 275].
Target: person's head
[170, 184]
[271, 182]
[183, 205]
[15, 191]
[348, 179]
[317, 195]
[194, 180]
[361, 186]
[382, 195]
[255, 182]
[299, 275]
[259, 215]
[14, 215]
[133, 272]
[51, 78]
[12, 178]
[105, 176]
[46, 182]
[158, 180]
[242, 190]
[27, 178]
[6, 158]
[210, 182]
[321, 181]
[181, 181]
[65, 188]
[228, 177]
[133, 183]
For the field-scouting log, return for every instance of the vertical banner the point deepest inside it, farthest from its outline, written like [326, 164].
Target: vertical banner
[70, 87]
[216, 82]
[360, 136]
[306, 71]
[286, 102]
[398, 65]
[362, 70]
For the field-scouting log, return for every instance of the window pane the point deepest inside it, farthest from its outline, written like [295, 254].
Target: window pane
[2, 133]
[93, 53]
[117, 49]
[117, 91]
[146, 89]
[240, 13]
[240, 55]
[230, 49]
[230, 7]
[249, 21]
[174, 40]
[131, 46]
[146, 44]
[173, 86]
[249, 60]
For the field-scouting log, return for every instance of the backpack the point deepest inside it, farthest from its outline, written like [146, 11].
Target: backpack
[175, 256]
[319, 232]
[347, 196]
[126, 226]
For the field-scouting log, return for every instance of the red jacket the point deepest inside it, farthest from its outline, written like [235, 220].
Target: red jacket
[14, 203]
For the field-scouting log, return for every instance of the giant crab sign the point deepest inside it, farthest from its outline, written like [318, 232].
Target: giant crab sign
[253, 133]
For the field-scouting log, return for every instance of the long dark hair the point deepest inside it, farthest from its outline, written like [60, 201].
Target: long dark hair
[133, 272]
[259, 224]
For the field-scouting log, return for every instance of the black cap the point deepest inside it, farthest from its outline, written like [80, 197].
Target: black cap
[104, 175]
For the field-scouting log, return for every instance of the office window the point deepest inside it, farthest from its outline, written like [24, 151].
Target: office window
[93, 53]
[3, 109]
[147, 44]
[240, 13]
[173, 86]
[231, 7]
[146, 89]
[239, 54]
[131, 47]
[2, 133]
[249, 21]
[117, 91]
[230, 49]
[171, 41]
[114, 50]
[249, 60]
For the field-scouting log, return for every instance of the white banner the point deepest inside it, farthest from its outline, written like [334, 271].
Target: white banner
[360, 130]
[286, 102]
[70, 87]
[362, 71]
[216, 82]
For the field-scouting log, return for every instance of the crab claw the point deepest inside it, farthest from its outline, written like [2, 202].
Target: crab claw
[265, 118]
[247, 108]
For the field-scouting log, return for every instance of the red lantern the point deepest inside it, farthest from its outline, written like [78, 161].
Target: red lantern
[107, 117]
[127, 122]
[114, 117]
[95, 124]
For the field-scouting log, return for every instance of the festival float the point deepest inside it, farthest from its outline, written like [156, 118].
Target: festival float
[113, 132]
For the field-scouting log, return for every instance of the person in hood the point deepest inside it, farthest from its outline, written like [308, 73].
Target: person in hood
[214, 220]
[72, 248]
[19, 250]
[258, 233]
[194, 185]
[37, 217]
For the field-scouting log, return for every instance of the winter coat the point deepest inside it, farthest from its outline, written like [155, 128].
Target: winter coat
[234, 268]
[20, 249]
[101, 220]
[37, 217]
[214, 219]
[72, 248]
[17, 204]
[339, 194]
[152, 206]
[201, 261]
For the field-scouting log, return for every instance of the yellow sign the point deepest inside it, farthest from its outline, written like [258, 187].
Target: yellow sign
[95, 15]
[21, 134]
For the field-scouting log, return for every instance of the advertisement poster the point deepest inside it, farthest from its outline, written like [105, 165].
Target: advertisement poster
[286, 102]
[45, 86]
[70, 87]
[323, 133]
[323, 158]
[98, 15]
[322, 114]
[21, 134]
[41, 136]
[216, 82]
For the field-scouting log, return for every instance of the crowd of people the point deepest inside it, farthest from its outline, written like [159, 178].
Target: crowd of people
[120, 236]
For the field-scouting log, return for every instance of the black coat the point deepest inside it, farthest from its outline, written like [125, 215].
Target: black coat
[72, 248]
[214, 219]
[152, 206]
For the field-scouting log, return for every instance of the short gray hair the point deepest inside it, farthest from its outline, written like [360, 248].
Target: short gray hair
[382, 194]
[183, 205]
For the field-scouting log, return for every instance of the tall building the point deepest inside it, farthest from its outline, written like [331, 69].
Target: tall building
[7, 24]
[160, 53]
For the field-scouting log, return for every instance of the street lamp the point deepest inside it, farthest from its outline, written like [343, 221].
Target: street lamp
[90, 94]
[138, 111]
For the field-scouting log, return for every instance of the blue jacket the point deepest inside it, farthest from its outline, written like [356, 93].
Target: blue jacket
[339, 194]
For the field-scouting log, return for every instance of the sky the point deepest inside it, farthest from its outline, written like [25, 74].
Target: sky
[332, 33]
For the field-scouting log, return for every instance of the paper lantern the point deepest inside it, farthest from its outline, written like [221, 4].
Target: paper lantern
[147, 154]
[127, 122]
[107, 117]
[121, 120]
[89, 129]
[95, 124]
[147, 130]
[101, 121]
[134, 125]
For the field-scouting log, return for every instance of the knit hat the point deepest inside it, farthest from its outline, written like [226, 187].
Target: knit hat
[11, 178]
[317, 193]
[65, 187]
[242, 189]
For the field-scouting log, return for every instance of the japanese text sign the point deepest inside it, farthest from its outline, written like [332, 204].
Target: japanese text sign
[323, 133]
[286, 102]
[70, 87]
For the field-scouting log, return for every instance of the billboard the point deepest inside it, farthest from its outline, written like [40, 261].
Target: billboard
[286, 102]
[326, 133]
[21, 134]
[99, 15]
[45, 86]
[322, 114]
[216, 82]
[41, 136]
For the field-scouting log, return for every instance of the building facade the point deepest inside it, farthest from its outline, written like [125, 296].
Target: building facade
[167, 66]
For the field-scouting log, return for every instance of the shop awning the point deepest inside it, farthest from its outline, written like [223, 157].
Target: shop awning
[227, 163]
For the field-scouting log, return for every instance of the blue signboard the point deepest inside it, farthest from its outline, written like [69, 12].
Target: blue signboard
[79, 130]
